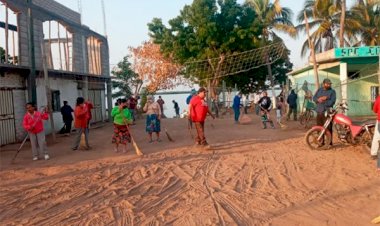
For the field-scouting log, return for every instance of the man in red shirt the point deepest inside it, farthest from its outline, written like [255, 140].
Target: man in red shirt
[376, 136]
[198, 110]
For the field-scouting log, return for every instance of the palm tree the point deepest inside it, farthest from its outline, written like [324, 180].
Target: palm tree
[273, 17]
[323, 19]
[342, 19]
[367, 13]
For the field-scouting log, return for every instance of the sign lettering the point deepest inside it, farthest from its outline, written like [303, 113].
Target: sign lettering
[364, 51]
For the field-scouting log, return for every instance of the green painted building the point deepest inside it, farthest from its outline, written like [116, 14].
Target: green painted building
[353, 72]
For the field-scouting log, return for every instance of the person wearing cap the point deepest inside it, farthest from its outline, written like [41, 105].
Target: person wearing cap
[198, 110]
[325, 98]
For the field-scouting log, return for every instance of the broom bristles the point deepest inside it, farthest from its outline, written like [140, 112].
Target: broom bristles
[137, 149]
[169, 137]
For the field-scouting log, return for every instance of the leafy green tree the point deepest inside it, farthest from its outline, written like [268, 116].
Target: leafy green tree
[274, 18]
[2, 56]
[126, 81]
[208, 29]
[254, 80]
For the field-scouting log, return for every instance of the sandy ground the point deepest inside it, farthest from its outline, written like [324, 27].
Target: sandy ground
[249, 177]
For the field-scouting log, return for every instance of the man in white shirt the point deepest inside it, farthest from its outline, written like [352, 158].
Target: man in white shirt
[256, 99]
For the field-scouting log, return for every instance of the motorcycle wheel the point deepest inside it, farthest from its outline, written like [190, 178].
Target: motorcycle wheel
[301, 118]
[312, 141]
[367, 141]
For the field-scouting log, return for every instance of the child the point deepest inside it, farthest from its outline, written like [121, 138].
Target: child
[33, 124]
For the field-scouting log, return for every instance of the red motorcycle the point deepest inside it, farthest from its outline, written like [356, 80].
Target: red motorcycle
[319, 137]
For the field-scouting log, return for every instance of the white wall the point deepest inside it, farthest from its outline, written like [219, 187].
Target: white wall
[68, 91]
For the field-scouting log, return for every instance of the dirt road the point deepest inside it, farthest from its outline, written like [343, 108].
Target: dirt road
[250, 177]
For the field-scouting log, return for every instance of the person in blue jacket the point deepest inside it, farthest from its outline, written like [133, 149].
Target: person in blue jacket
[236, 106]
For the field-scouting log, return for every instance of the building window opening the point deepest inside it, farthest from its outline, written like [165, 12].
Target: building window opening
[353, 74]
[9, 50]
[58, 46]
[56, 100]
[94, 55]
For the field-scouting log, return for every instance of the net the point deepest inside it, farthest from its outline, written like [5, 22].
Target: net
[235, 63]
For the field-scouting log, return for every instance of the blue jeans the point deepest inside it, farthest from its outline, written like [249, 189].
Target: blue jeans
[237, 114]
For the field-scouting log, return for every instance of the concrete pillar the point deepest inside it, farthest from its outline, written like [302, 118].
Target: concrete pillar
[109, 99]
[85, 70]
[343, 81]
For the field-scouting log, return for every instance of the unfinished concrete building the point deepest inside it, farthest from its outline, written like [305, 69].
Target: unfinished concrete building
[77, 61]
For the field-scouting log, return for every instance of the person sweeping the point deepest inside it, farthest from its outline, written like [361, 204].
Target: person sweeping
[121, 118]
[198, 110]
[81, 123]
[33, 124]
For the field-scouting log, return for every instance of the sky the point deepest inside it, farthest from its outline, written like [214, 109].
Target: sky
[126, 22]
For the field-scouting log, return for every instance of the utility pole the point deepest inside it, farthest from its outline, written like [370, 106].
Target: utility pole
[104, 19]
[32, 90]
[85, 71]
[47, 89]
[312, 51]
[109, 82]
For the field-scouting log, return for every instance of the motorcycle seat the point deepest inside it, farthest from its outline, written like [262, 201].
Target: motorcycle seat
[364, 122]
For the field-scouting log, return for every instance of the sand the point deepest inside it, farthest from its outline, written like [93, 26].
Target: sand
[250, 176]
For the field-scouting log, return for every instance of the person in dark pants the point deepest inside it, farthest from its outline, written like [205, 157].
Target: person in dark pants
[188, 99]
[292, 101]
[198, 111]
[236, 106]
[325, 98]
[67, 118]
[265, 104]
[176, 108]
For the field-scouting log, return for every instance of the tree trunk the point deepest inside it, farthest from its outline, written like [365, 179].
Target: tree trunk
[214, 82]
[312, 51]
[269, 67]
[342, 19]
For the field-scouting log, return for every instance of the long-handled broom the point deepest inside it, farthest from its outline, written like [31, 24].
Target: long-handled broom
[189, 127]
[134, 144]
[26, 137]
[169, 137]
[18, 150]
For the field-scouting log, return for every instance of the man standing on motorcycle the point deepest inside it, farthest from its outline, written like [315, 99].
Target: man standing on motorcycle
[376, 135]
[325, 98]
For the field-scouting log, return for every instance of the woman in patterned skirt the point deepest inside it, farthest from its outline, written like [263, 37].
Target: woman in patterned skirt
[153, 118]
[121, 118]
